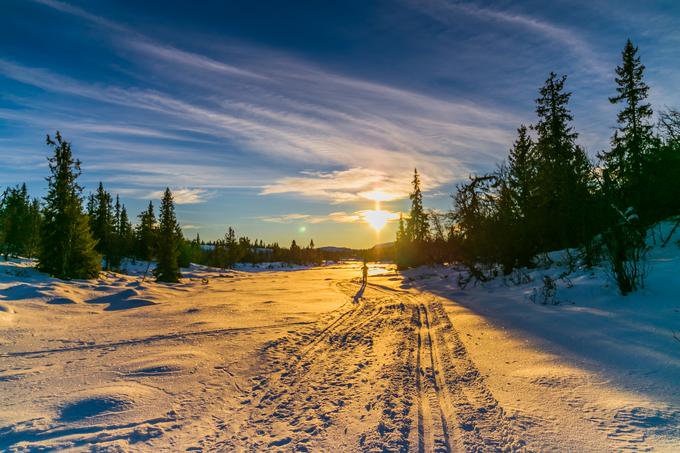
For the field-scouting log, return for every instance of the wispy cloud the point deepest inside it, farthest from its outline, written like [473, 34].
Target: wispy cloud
[339, 186]
[184, 195]
[333, 217]
[289, 110]
[448, 11]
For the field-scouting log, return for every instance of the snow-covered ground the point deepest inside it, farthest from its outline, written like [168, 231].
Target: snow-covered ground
[308, 360]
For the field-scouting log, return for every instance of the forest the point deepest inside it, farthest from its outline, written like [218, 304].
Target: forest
[548, 195]
[73, 237]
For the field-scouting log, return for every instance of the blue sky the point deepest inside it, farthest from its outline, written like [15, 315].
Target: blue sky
[278, 118]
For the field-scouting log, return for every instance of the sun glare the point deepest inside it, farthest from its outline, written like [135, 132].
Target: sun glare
[380, 195]
[378, 218]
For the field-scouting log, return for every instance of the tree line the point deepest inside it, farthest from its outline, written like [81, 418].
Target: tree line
[74, 238]
[548, 195]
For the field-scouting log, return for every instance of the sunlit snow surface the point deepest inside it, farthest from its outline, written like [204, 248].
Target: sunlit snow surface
[260, 359]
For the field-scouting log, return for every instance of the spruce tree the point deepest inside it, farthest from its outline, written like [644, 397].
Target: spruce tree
[632, 136]
[146, 234]
[563, 172]
[15, 214]
[167, 269]
[67, 249]
[522, 171]
[124, 233]
[231, 245]
[102, 226]
[401, 230]
[33, 226]
[517, 200]
[295, 253]
[418, 226]
[632, 142]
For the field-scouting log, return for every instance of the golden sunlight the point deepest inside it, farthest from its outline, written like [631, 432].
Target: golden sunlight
[380, 195]
[378, 218]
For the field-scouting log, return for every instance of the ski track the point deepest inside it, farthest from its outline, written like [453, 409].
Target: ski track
[395, 359]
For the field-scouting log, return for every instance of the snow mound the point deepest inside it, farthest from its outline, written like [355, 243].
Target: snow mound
[123, 300]
[95, 406]
[105, 404]
[6, 313]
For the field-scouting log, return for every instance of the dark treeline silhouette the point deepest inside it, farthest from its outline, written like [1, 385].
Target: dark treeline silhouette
[548, 195]
[75, 241]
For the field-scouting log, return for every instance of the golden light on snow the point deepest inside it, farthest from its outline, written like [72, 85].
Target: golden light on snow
[378, 218]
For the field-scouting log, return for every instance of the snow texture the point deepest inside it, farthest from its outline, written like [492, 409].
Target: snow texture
[267, 358]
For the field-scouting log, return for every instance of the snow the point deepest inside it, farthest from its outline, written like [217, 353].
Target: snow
[266, 358]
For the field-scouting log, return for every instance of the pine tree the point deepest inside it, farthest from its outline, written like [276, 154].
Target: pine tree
[631, 139]
[522, 171]
[91, 205]
[33, 226]
[401, 230]
[124, 233]
[231, 245]
[103, 227]
[295, 252]
[67, 249]
[167, 269]
[563, 172]
[517, 204]
[625, 161]
[418, 226]
[14, 221]
[146, 234]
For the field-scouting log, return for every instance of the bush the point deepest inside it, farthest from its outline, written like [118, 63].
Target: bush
[626, 250]
[547, 294]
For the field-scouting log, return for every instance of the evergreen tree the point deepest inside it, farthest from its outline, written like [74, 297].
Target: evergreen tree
[146, 234]
[91, 205]
[124, 233]
[102, 226]
[517, 202]
[295, 252]
[33, 226]
[401, 230]
[167, 269]
[232, 247]
[522, 171]
[418, 226]
[67, 249]
[15, 211]
[631, 139]
[563, 172]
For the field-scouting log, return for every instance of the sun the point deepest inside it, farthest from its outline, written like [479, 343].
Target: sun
[378, 218]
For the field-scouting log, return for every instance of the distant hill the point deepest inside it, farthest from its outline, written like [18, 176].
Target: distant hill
[332, 249]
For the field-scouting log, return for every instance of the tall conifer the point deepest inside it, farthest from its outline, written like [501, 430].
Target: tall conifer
[631, 142]
[418, 225]
[562, 171]
[146, 234]
[67, 249]
[167, 269]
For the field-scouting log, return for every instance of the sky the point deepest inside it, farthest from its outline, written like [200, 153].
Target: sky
[292, 120]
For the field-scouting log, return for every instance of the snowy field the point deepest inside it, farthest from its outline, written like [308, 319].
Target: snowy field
[307, 360]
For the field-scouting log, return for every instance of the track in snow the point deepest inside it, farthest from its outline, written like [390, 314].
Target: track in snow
[433, 430]
[385, 374]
